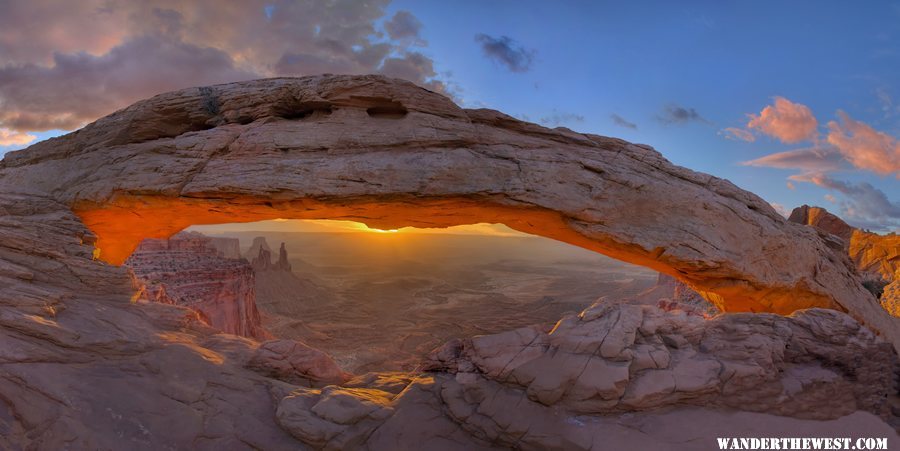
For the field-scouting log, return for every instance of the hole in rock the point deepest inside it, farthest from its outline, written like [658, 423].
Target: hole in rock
[381, 300]
[388, 110]
[302, 110]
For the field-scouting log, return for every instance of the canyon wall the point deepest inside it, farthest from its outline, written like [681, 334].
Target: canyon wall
[188, 270]
[876, 257]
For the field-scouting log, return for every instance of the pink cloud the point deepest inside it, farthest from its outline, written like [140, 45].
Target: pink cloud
[738, 133]
[787, 121]
[865, 147]
[11, 138]
[812, 159]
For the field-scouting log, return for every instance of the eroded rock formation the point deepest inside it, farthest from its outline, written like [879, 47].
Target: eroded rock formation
[671, 294]
[391, 154]
[189, 270]
[529, 389]
[262, 259]
[877, 257]
[84, 367]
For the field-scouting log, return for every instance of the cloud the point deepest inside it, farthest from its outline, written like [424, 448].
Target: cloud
[622, 122]
[506, 51]
[865, 147]
[675, 114]
[96, 56]
[790, 185]
[887, 103]
[808, 160]
[787, 121]
[865, 204]
[738, 133]
[831, 198]
[403, 25]
[11, 138]
[80, 87]
[780, 209]
[558, 118]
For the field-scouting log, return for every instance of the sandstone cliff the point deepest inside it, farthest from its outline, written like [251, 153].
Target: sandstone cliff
[227, 247]
[877, 257]
[187, 270]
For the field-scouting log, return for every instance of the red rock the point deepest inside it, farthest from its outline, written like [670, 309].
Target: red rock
[188, 270]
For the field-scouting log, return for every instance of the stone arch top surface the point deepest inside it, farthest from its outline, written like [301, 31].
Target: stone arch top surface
[390, 154]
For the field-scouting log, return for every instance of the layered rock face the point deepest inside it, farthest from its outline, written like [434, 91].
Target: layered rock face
[391, 154]
[84, 367]
[189, 271]
[877, 257]
[227, 247]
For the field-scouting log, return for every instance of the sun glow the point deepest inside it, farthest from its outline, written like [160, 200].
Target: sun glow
[343, 226]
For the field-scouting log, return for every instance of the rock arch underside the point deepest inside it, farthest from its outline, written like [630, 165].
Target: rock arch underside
[389, 154]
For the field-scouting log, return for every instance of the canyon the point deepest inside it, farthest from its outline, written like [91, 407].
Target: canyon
[800, 347]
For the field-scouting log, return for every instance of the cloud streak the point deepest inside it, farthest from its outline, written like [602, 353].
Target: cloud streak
[507, 52]
[738, 133]
[679, 115]
[622, 122]
[558, 118]
[812, 159]
[865, 205]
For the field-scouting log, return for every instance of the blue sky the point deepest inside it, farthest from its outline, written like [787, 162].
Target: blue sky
[721, 60]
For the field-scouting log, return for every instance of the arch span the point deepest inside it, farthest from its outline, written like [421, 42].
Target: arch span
[323, 148]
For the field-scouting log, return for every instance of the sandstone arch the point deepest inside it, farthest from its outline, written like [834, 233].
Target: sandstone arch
[391, 154]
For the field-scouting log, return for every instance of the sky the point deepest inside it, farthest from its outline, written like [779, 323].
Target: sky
[798, 102]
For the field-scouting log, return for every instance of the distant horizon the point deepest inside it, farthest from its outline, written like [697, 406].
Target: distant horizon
[346, 226]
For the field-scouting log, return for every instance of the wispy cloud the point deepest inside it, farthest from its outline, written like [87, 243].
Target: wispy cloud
[781, 209]
[678, 115]
[865, 205]
[737, 133]
[507, 52]
[622, 122]
[557, 118]
[811, 159]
